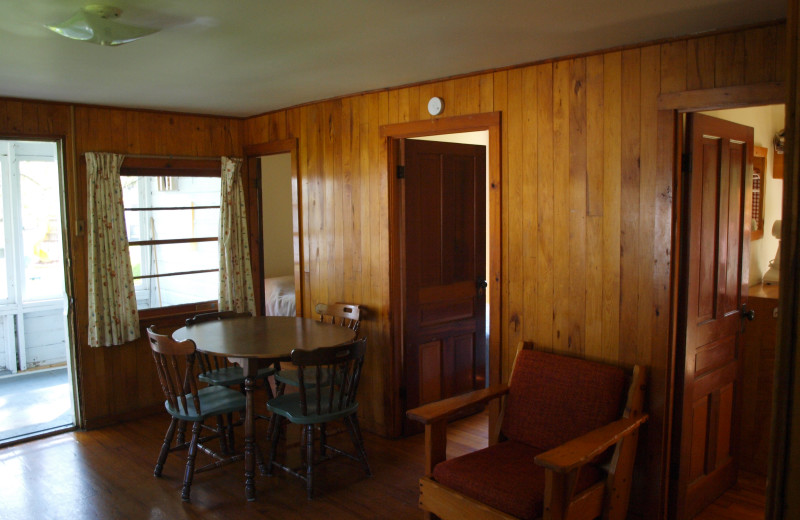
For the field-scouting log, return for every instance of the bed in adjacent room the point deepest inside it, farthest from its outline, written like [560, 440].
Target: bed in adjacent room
[279, 296]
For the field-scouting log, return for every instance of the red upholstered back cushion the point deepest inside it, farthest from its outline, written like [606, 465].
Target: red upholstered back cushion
[556, 398]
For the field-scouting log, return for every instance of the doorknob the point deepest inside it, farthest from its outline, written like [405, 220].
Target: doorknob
[481, 285]
[749, 314]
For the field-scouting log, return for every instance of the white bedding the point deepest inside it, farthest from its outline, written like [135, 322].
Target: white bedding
[279, 296]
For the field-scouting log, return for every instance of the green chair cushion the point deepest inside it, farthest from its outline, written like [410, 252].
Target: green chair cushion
[288, 405]
[214, 400]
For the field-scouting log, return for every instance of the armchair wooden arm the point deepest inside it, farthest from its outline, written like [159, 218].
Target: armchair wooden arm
[435, 415]
[447, 408]
[577, 452]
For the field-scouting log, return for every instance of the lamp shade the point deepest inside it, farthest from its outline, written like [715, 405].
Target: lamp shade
[97, 24]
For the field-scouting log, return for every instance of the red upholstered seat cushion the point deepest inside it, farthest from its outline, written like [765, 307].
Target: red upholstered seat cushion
[504, 477]
[554, 398]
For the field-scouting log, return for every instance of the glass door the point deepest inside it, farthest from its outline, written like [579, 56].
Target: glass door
[35, 380]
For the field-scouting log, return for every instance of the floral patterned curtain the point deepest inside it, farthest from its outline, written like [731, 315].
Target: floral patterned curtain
[113, 317]
[235, 275]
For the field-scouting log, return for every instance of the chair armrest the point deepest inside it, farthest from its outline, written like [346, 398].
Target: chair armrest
[447, 408]
[581, 450]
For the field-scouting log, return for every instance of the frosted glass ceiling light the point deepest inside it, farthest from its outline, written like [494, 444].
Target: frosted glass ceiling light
[97, 24]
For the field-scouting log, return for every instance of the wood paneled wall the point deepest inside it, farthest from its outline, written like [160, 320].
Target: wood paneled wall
[114, 382]
[587, 207]
[587, 202]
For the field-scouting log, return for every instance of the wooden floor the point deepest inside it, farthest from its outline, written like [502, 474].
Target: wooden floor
[744, 501]
[108, 474]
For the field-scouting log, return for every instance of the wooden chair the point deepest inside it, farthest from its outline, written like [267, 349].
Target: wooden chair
[337, 371]
[175, 364]
[342, 314]
[216, 370]
[565, 448]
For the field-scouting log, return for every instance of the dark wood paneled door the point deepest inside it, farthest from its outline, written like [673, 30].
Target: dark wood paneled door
[714, 274]
[444, 325]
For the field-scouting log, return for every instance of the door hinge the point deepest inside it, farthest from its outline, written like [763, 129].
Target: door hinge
[686, 163]
[401, 171]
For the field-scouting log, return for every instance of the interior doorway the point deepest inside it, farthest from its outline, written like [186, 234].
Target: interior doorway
[749, 435]
[277, 251]
[275, 207]
[36, 380]
[395, 133]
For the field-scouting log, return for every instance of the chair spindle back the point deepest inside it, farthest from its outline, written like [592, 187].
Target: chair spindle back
[175, 367]
[339, 368]
[343, 314]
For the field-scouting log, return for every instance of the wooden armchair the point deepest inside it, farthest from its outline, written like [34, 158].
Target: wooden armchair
[562, 446]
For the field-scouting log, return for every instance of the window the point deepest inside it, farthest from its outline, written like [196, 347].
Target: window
[173, 227]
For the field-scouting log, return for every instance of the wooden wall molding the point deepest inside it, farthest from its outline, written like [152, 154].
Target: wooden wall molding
[771, 93]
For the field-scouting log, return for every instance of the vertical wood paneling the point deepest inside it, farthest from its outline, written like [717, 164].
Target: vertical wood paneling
[647, 199]
[577, 206]
[561, 154]
[513, 184]
[529, 95]
[759, 66]
[595, 142]
[729, 62]
[612, 150]
[543, 333]
[629, 200]
[674, 67]
[700, 63]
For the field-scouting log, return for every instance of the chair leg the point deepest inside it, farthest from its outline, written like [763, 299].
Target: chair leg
[274, 437]
[358, 441]
[309, 432]
[323, 439]
[181, 432]
[189, 474]
[162, 456]
[229, 434]
[222, 431]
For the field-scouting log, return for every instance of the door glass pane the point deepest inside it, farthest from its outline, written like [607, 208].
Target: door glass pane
[41, 231]
[3, 270]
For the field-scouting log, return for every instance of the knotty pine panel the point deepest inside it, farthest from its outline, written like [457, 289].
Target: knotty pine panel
[587, 195]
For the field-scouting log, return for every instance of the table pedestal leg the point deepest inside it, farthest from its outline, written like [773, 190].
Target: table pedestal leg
[249, 441]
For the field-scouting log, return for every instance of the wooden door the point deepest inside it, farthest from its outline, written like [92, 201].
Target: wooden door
[714, 275]
[444, 325]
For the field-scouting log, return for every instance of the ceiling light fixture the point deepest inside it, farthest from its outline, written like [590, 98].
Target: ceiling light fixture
[97, 24]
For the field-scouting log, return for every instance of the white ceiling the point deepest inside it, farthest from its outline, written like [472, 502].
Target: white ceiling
[246, 57]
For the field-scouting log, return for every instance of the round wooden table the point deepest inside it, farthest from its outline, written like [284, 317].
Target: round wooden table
[254, 341]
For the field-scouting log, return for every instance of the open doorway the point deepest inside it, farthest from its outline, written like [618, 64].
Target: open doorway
[275, 207]
[478, 138]
[36, 383]
[277, 235]
[735, 419]
[397, 135]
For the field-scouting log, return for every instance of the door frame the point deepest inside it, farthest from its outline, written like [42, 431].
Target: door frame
[671, 108]
[392, 134]
[252, 154]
